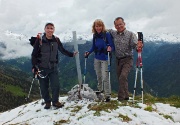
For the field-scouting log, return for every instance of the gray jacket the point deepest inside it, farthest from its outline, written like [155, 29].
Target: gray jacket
[124, 43]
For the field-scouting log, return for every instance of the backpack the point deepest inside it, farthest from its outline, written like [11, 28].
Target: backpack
[37, 38]
[33, 39]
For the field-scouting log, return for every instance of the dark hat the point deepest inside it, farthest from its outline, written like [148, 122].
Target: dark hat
[49, 24]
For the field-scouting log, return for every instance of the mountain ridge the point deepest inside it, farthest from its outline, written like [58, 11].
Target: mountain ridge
[13, 45]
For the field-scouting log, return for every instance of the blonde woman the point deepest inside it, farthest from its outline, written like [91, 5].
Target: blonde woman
[101, 41]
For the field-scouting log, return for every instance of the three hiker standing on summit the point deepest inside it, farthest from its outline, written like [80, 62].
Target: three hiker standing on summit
[45, 58]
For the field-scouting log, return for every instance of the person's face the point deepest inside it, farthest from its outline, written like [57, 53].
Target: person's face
[98, 28]
[119, 25]
[49, 30]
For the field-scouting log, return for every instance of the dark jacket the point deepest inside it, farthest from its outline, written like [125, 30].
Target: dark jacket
[46, 54]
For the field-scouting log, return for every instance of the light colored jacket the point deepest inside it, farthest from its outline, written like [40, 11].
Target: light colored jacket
[124, 43]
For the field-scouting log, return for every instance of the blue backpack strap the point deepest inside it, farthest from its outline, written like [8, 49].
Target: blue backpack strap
[105, 38]
[94, 40]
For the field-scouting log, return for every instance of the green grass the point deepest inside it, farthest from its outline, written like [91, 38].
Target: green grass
[97, 113]
[125, 118]
[82, 116]
[149, 108]
[149, 100]
[38, 110]
[76, 109]
[61, 122]
[15, 90]
[103, 106]
[167, 116]
[135, 115]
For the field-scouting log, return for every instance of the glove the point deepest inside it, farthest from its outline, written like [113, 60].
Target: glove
[108, 49]
[86, 54]
[139, 46]
[35, 69]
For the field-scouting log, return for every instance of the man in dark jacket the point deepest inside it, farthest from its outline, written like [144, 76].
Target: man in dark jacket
[45, 59]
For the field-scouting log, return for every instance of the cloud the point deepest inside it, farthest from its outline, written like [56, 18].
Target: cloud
[29, 16]
[14, 45]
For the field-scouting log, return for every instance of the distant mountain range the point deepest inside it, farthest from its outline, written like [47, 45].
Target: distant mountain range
[13, 45]
[67, 36]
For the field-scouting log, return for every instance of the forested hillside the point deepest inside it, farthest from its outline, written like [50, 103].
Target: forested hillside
[161, 64]
[14, 86]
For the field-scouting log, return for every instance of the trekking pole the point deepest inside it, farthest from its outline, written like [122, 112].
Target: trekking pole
[139, 65]
[27, 99]
[109, 68]
[41, 76]
[84, 77]
[42, 103]
[135, 82]
[35, 77]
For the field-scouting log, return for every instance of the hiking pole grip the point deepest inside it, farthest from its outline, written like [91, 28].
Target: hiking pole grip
[86, 54]
[140, 36]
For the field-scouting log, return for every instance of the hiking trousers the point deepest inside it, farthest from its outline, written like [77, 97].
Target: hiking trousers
[123, 67]
[101, 68]
[51, 80]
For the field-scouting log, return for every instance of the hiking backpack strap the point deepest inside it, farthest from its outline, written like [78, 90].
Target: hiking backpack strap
[39, 37]
[105, 40]
[94, 40]
[57, 40]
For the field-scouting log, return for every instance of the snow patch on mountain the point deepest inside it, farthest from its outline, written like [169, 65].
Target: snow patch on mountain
[68, 36]
[13, 45]
[164, 37]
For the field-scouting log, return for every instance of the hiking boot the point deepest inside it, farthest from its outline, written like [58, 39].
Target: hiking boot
[58, 105]
[108, 99]
[122, 100]
[48, 105]
[126, 98]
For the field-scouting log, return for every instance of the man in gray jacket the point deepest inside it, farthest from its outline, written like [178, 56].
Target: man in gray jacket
[124, 41]
[45, 59]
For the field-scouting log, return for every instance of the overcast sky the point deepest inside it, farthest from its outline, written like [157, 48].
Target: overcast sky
[29, 16]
